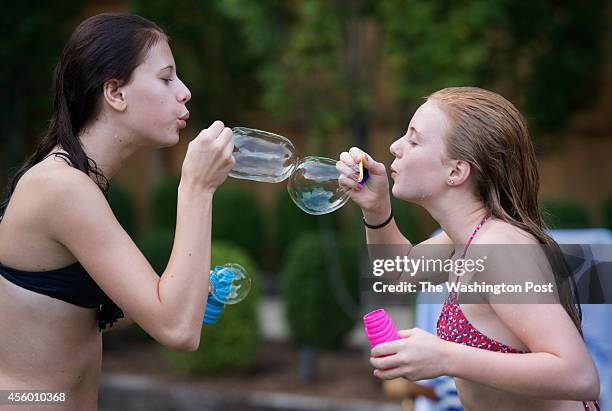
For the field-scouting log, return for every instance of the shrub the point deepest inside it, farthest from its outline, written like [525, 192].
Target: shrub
[164, 197]
[237, 219]
[121, 203]
[314, 314]
[156, 245]
[232, 343]
[405, 218]
[291, 222]
[564, 213]
[236, 214]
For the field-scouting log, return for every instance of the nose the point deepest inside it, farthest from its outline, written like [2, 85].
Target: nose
[394, 148]
[184, 95]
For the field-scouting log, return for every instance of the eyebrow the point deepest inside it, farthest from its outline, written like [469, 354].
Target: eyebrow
[169, 66]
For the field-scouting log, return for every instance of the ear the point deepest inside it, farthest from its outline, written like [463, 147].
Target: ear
[114, 95]
[459, 173]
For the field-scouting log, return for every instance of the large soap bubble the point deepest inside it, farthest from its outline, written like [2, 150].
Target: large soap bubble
[262, 156]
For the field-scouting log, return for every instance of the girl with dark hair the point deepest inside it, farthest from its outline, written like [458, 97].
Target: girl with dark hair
[67, 268]
[467, 158]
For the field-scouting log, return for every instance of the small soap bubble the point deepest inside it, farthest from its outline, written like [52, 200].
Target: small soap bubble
[314, 186]
[230, 283]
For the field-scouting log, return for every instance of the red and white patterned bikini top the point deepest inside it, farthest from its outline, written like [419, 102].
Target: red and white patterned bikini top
[454, 326]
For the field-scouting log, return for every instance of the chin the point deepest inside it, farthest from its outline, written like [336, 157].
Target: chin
[173, 141]
[167, 141]
[404, 195]
[397, 192]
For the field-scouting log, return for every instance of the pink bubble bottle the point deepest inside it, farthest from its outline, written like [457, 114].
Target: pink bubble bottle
[379, 327]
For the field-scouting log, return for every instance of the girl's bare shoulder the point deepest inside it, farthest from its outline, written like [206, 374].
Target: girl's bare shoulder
[55, 173]
[47, 186]
[502, 232]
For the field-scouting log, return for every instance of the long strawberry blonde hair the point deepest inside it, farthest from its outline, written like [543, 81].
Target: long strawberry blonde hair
[489, 133]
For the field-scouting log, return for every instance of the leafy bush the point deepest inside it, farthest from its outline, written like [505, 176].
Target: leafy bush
[237, 218]
[121, 203]
[164, 198]
[405, 218]
[291, 222]
[232, 343]
[564, 213]
[311, 292]
[156, 245]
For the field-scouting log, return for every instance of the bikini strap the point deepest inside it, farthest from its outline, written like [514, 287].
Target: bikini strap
[469, 242]
[478, 227]
[65, 156]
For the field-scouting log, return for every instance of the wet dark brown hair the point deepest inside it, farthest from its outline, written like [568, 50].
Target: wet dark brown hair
[104, 47]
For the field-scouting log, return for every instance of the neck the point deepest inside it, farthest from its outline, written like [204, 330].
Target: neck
[108, 146]
[459, 220]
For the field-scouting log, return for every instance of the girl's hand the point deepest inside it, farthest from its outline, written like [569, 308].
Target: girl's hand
[416, 356]
[373, 196]
[209, 158]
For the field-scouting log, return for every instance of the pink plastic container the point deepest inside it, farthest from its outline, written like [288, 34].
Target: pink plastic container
[379, 327]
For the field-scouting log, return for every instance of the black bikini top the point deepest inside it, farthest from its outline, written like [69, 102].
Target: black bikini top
[71, 284]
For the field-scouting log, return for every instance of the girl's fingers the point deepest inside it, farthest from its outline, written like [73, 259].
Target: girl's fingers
[348, 160]
[356, 154]
[345, 170]
[383, 363]
[349, 183]
[389, 374]
[212, 132]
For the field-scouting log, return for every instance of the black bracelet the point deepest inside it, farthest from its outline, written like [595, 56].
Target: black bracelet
[375, 227]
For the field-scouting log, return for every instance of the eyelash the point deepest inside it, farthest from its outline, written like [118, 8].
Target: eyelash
[167, 80]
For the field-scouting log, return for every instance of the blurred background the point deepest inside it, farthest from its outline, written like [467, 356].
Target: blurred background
[328, 75]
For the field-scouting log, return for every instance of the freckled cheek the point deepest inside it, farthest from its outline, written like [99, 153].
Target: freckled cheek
[424, 165]
[417, 161]
[153, 111]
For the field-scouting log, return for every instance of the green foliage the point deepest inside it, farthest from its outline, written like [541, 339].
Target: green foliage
[308, 76]
[406, 220]
[607, 213]
[121, 203]
[231, 344]
[564, 213]
[290, 223]
[435, 44]
[163, 202]
[312, 286]
[237, 218]
[33, 33]
[156, 245]
[210, 55]
[564, 45]
[550, 54]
